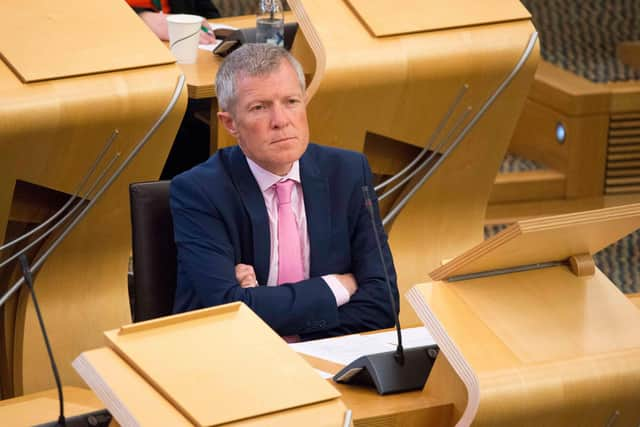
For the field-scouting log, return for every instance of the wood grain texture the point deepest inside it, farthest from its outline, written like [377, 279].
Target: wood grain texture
[629, 53]
[560, 345]
[42, 407]
[226, 369]
[400, 87]
[635, 299]
[542, 184]
[148, 407]
[133, 401]
[545, 239]
[50, 134]
[598, 119]
[556, 349]
[42, 40]
[430, 15]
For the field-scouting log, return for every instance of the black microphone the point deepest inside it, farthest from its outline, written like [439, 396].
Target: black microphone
[26, 273]
[393, 371]
[97, 418]
[399, 356]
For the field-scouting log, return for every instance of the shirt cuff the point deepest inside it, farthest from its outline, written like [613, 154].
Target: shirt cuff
[339, 292]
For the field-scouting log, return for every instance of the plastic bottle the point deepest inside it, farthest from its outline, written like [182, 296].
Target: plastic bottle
[270, 22]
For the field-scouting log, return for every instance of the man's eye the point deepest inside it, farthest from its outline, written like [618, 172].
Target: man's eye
[294, 101]
[257, 107]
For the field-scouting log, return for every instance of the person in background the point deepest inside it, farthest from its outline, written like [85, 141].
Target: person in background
[191, 145]
[153, 13]
[277, 222]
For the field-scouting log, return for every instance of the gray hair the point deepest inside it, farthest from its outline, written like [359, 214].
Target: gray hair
[253, 59]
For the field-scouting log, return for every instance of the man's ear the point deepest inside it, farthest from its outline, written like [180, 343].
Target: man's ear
[227, 121]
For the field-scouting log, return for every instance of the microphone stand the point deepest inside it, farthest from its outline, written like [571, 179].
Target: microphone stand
[393, 371]
[71, 218]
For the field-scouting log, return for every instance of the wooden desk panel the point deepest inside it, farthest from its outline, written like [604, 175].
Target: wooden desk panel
[42, 407]
[50, 133]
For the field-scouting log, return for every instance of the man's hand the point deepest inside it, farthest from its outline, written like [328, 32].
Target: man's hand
[349, 282]
[245, 276]
[157, 22]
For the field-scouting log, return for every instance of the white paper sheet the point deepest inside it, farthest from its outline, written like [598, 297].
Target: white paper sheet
[211, 46]
[344, 350]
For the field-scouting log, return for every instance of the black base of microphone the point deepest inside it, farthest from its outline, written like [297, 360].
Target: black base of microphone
[100, 418]
[386, 374]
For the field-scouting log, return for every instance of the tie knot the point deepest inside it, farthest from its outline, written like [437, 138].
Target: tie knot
[283, 191]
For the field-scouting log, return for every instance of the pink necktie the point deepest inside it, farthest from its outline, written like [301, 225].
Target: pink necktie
[289, 250]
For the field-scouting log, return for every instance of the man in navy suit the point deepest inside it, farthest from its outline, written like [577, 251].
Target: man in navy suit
[230, 215]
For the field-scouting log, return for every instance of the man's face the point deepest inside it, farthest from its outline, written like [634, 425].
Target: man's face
[269, 119]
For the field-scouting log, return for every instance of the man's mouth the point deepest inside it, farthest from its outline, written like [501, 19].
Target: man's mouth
[279, 140]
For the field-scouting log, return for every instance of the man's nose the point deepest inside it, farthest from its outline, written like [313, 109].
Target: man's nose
[279, 116]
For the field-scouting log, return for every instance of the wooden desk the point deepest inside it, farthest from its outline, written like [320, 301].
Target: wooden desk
[629, 53]
[369, 409]
[42, 407]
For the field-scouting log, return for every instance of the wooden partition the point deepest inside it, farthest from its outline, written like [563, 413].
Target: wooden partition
[600, 153]
[67, 80]
[382, 80]
[531, 332]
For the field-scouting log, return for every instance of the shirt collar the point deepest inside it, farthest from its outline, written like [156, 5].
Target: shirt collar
[266, 179]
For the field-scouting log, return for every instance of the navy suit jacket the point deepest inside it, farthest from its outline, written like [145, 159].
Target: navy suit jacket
[220, 220]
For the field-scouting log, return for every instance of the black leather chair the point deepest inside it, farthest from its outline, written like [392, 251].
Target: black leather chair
[154, 250]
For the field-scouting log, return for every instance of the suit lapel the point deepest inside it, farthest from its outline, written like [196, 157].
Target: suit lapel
[317, 206]
[257, 211]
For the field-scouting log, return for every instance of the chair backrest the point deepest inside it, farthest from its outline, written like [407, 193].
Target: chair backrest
[154, 250]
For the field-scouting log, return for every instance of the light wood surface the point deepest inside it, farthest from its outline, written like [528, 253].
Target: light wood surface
[635, 299]
[415, 408]
[431, 15]
[121, 387]
[598, 119]
[62, 43]
[50, 133]
[442, 401]
[572, 333]
[507, 213]
[629, 53]
[558, 97]
[148, 407]
[399, 88]
[243, 354]
[42, 407]
[537, 185]
[546, 239]
[557, 348]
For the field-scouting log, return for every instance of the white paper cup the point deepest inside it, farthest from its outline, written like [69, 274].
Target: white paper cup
[184, 34]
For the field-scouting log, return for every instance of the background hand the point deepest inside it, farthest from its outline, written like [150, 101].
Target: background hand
[206, 38]
[157, 22]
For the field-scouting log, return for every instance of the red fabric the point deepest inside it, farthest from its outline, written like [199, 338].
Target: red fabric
[149, 4]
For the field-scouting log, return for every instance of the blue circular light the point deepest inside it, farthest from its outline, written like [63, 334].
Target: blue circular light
[561, 133]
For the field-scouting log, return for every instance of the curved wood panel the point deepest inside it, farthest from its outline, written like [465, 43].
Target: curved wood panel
[399, 87]
[538, 348]
[50, 133]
